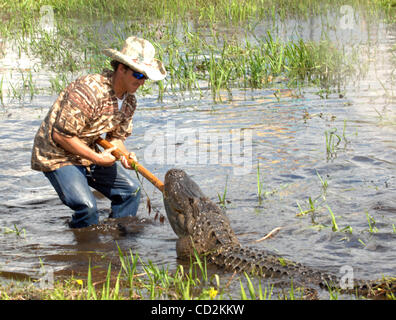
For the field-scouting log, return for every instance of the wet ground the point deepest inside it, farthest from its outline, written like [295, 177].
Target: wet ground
[283, 133]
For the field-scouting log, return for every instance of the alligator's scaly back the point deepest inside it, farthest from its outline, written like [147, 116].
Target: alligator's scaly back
[202, 226]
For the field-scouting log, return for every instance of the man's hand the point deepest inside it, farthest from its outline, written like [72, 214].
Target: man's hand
[125, 162]
[105, 158]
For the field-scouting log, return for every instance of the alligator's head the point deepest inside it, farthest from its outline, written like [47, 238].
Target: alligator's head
[180, 193]
[198, 222]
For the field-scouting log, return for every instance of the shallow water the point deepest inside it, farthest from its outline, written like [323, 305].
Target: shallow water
[287, 139]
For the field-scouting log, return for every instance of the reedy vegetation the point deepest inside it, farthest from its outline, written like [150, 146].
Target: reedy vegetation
[190, 39]
[136, 279]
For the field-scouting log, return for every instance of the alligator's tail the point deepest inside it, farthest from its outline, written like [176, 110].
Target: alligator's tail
[236, 258]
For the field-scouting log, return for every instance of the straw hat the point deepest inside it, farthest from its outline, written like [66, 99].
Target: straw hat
[138, 54]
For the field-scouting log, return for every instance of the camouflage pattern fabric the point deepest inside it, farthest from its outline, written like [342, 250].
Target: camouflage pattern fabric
[87, 108]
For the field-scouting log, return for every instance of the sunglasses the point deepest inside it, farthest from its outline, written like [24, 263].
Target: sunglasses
[138, 75]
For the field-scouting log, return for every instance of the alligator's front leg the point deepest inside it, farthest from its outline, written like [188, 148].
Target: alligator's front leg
[184, 247]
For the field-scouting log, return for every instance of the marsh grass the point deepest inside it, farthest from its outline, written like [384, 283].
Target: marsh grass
[253, 65]
[189, 42]
[315, 206]
[255, 293]
[371, 223]
[136, 279]
[313, 203]
[16, 230]
[334, 225]
[159, 282]
[232, 12]
[222, 198]
[332, 142]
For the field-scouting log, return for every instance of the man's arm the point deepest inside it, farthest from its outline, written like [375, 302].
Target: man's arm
[75, 146]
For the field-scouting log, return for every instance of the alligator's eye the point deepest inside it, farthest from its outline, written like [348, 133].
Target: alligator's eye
[178, 211]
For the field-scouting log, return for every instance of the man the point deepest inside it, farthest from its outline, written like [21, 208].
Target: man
[64, 147]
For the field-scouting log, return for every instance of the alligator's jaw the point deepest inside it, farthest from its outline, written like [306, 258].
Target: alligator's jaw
[179, 191]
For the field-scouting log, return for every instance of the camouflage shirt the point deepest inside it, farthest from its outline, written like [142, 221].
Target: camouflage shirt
[87, 108]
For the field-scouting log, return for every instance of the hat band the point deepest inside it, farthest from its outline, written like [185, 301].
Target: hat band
[142, 62]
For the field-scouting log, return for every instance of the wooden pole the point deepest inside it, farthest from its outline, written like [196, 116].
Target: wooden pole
[142, 170]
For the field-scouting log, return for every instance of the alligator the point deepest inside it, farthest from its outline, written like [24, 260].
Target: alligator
[203, 228]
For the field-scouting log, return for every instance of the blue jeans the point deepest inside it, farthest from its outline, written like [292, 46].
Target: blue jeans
[72, 185]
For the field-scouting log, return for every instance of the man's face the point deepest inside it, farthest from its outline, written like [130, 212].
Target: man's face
[131, 84]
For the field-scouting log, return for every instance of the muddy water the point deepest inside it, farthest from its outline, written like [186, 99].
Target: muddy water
[287, 138]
